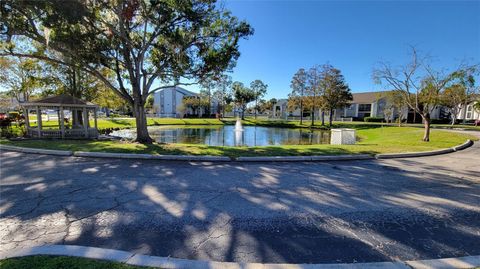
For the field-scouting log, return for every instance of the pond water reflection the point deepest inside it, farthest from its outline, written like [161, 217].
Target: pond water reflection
[225, 135]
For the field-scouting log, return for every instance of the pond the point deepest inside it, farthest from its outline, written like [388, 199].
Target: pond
[226, 135]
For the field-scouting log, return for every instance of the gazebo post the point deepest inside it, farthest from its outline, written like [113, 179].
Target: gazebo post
[85, 121]
[39, 122]
[27, 120]
[62, 124]
[95, 117]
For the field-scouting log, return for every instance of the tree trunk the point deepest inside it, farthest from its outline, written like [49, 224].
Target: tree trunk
[313, 117]
[141, 121]
[301, 112]
[323, 118]
[426, 124]
[330, 118]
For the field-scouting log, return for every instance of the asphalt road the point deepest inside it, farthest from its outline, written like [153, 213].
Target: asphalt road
[349, 211]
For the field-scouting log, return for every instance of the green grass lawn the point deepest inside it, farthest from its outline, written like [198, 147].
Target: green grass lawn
[121, 123]
[61, 262]
[372, 141]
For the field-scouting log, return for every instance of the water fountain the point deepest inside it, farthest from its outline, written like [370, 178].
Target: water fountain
[238, 139]
[238, 125]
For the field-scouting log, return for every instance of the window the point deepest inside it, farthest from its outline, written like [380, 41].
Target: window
[469, 112]
[364, 107]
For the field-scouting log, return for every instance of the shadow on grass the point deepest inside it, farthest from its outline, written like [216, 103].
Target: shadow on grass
[123, 122]
[189, 149]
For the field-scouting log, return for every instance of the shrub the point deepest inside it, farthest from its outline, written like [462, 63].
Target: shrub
[6, 128]
[14, 115]
[373, 119]
[440, 121]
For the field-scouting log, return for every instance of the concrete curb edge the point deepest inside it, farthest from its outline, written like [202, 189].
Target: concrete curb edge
[37, 150]
[175, 263]
[152, 156]
[208, 158]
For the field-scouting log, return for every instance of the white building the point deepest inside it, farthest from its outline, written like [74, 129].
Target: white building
[470, 113]
[168, 102]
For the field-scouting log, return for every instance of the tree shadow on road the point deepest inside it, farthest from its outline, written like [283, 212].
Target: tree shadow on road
[356, 211]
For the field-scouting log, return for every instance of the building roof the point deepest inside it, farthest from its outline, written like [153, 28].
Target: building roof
[62, 99]
[178, 89]
[186, 92]
[366, 97]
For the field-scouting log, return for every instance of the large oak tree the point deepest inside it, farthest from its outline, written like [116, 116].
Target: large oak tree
[148, 44]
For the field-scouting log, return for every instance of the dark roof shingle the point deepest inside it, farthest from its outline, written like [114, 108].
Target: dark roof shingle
[63, 99]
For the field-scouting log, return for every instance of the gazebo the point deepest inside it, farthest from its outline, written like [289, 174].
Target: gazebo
[71, 114]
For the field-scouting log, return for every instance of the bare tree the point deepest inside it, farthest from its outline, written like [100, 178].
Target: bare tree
[418, 84]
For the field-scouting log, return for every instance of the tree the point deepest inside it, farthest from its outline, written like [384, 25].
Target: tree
[259, 89]
[223, 94]
[205, 96]
[394, 102]
[465, 78]
[336, 93]
[243, 96]
[273, 102]
[196, 103]
[21, 77]
[106, 98]
[149, 45]
[298, 86]
[418, 84]
[314, 90]
[453, 98]
[149, 102]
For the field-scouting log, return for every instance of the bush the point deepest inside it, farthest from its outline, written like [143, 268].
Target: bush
[6, 128]
[440, 121]
[14, 115]
[373, 119]
[195, 116]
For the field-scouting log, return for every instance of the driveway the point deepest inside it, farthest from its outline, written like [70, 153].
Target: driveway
[323, 212]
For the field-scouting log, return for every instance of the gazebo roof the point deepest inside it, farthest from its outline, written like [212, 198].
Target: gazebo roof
[61, 100]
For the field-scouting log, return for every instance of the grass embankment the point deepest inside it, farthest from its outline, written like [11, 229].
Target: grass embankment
[372, 141]
[61, 262]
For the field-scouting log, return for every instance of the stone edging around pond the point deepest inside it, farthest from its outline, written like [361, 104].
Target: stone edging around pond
[207, 158]
[175, 263]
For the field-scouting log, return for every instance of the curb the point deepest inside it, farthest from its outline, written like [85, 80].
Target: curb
[37, 151]
[152, 156]
[305, 158]
[175, 263]
[465, 145]
[208, 158]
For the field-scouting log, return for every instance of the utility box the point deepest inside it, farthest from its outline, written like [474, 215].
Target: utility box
[342, 136]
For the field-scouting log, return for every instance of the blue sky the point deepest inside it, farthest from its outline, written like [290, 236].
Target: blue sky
[352, 36]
